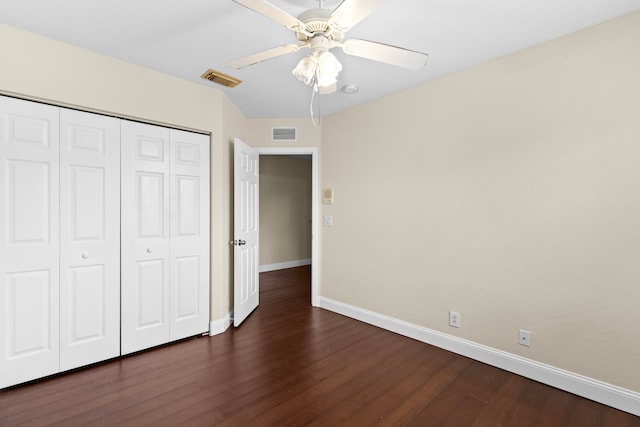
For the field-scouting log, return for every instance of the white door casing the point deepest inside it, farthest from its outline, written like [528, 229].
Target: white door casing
[313, 152]
[89, 238]
[145, 236]
[29, 245]
[190, 223]
[246, 231]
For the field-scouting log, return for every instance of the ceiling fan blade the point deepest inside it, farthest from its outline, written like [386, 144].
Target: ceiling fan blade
[351, 12]
[272, 12]
[393, 55]
[263, 56]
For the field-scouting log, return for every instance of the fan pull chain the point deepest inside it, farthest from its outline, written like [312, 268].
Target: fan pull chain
[314, 89]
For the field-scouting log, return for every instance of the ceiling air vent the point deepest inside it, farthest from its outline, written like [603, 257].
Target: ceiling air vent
[283, 134]
[218, 77]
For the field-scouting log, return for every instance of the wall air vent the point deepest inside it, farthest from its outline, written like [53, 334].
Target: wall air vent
[218, 77]
[283, 134]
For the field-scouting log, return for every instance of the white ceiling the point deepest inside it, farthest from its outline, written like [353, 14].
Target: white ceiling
[186, 37]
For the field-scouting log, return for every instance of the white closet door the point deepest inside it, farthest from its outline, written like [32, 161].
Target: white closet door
[189, 234]
[29, 246]
[145, 236]
[89, 238]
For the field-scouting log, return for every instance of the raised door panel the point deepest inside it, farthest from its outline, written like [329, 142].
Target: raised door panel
[29, 317]
[88, 191]
[145, 236]
[187, 200]
[149, 294]
[150, 196]
[189, 234]
[28, 211]
[87, 295]
[29, 297]
[89, 238]
[29, 245]
[187, 289]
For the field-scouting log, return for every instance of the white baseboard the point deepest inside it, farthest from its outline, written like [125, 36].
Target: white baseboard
[221, 325]
[283, 265]
[608, 394]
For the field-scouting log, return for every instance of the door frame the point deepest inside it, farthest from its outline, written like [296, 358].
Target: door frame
[313, 151]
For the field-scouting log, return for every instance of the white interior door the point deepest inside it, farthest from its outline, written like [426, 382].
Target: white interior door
[89, 238]
[189, 217]
[145, 245]
[245, 231]
[29, 245]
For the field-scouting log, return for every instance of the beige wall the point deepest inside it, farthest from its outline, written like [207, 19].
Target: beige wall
[285, 209]
[509, 192]
[44, 69]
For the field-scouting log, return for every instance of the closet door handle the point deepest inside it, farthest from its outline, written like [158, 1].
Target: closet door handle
[85, 256]
[149, 250]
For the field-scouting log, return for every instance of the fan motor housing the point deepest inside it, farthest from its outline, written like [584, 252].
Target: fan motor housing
[317, 21]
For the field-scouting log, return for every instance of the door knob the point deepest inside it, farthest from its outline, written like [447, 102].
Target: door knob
[149, 250]
[85, 256]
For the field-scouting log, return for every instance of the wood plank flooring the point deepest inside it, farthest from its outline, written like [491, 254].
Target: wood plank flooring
[293, 365]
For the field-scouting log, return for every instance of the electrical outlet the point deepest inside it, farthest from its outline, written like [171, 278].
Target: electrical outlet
[454, 319]
[524, 338]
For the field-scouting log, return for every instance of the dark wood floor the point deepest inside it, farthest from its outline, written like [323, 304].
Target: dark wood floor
[291, 364]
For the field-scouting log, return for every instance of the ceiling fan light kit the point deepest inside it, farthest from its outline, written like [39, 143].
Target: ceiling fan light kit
[321, 30]
[319, 67]
[306, 69]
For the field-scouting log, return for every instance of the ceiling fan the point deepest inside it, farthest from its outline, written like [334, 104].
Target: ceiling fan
[321, 30]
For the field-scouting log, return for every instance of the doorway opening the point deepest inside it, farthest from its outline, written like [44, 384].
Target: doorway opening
[307, 155]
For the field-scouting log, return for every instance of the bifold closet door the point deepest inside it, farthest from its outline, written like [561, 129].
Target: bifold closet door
[165, 235]
[145, 236]
[89, 238]
[29, 245]
[104, 238]
[189, 213]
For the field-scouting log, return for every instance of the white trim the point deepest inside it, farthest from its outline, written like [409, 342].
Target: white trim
[283, 265]
[313, 151]
[599, 391]
[221, 325]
